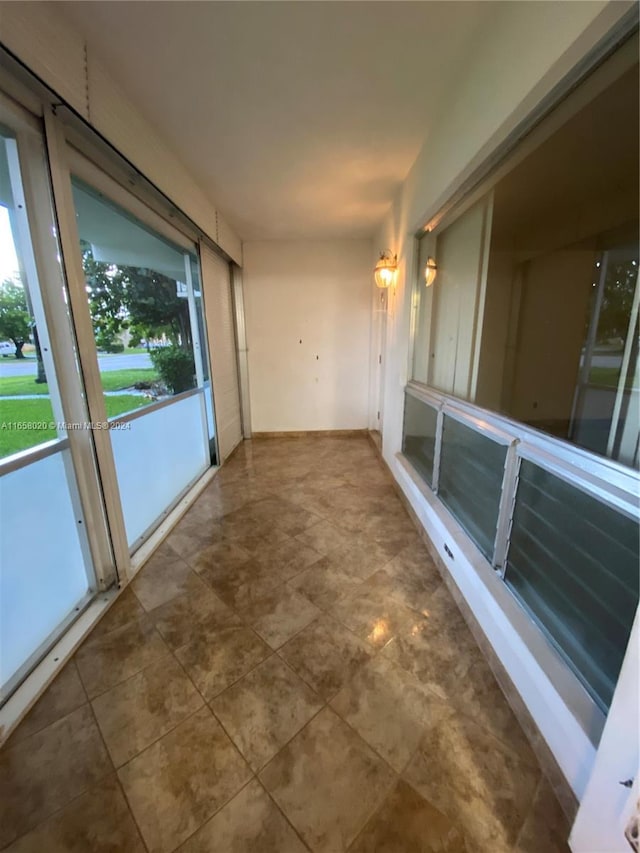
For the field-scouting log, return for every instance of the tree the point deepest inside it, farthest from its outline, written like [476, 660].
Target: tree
[139, 299]
[153, 304]
[15, 320]
[617, 299]
[106, 290]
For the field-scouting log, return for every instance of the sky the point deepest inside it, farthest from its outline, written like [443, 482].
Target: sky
[9, 266]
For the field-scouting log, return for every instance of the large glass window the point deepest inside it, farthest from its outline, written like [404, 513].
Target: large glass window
[146, 308]
[534, 310]
[534, 315]
[46, 567]
[470, 481]
[574, 563]
[419, 435]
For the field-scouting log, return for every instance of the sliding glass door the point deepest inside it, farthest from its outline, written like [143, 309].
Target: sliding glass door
[142, 285]
[48, 570]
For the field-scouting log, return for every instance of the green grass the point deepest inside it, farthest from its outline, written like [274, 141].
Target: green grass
[608, 377]
[40, 412]
[112, 380]
[12, 385]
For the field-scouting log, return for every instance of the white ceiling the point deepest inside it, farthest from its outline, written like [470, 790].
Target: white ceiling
[299, 119]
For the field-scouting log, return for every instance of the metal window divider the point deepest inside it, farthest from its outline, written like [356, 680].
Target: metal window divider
[437, 451]
[506, 508]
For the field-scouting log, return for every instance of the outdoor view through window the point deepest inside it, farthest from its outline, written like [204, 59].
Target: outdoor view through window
[146, 308]
[24, 391]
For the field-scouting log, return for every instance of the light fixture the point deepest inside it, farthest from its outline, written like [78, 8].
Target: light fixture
[430, 272]
[386, 270]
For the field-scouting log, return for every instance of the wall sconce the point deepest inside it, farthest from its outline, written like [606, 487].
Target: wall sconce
[430, 272]
[386, 270]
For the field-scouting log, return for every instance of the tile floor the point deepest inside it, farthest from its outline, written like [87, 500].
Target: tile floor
[287, 673]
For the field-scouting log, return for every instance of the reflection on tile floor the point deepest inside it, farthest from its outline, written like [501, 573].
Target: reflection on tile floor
[286, 673]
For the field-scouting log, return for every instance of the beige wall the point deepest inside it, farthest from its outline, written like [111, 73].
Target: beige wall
[308, 310]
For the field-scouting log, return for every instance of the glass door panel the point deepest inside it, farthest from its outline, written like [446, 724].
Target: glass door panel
[605, 416]
[146, 310]
[46, 568]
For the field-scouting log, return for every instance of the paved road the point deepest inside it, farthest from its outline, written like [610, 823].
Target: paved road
[27, 367]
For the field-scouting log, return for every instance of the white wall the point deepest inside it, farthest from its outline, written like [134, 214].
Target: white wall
[527, 48]
[308, 307]
[39, 35]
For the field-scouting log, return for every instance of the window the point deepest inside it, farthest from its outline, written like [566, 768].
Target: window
[533, 316]
[145, 301]
[574, 564]
[47, 574]
[534, 310]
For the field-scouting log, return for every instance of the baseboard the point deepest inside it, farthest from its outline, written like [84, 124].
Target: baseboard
[312, 433]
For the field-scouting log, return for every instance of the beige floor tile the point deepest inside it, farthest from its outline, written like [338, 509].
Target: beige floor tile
[64, 695]
[374, 616]
[472, 778]
[328, 783]
[295, 520]
[124, 610]
[265, 709]
[389, 709]
[326, 655]
[438, 649]
[107, 660]
[351, 517]
[250, 823]
[406, 823]
[193, 535]
[241, 587]
[546, 827]
[137, 712]
[222, 555]
[479, 696]
[221, 657]
[269, 509]
[360, 559]
[96, 822]
[323, 537]
[180, 781]
[414, 578]
[238, 523]
[280, 615]
[325, 583]
[287, 559]
[393, 540]
[162, 578]
[192, 617]
[47, 770]
[258, 536]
